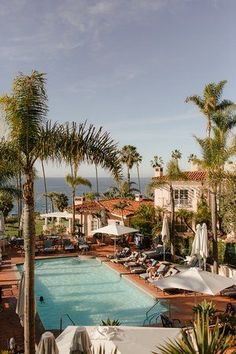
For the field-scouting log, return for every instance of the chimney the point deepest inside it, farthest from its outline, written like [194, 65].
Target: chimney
[158, 171]
[79, 200]
[138, 197]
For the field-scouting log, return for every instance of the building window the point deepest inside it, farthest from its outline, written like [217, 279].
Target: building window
[181, 197]
[94, 224]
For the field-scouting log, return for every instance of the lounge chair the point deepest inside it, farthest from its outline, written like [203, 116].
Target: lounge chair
[160, 272]
[132, 257]
[139, 262]
[82, 245]
[48, 246]
[68, 246]
[119, 255]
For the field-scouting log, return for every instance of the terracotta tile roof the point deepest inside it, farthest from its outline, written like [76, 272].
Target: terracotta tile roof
[109, 205]
[197, 176]
[131, 208]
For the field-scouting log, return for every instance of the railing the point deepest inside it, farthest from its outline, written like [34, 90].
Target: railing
[61, 321]
[148, 314]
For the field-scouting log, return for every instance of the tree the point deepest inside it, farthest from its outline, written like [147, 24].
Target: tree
[210, 102]
[128, 157]
[60, 200]
[138, 160]
[121, 205]
[31, 136]
[216, 151]
[156, 162]
[6, 202]
[200, 339]
[148, 219]
[123, 190]
[81, 143]
[74, 181]
[173, 173]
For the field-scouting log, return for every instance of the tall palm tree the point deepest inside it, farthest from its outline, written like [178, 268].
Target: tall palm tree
[211, 101]
[74, 181]
[157, 161]
[128, 157]
[45, 187]
[215, 151]
[81, 143]
[30, 136]
[138, 160]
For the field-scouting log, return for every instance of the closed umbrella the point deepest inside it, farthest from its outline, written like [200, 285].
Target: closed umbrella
[197, 280]
[20, 300]
[47, 344]
[115, 230]
[165, 233]
[196, 246]
[204, 244]
[81, 342]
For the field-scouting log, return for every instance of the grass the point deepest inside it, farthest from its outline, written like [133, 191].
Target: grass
[11, 228]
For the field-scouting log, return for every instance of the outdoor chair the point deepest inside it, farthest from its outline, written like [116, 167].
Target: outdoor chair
[68, 246]
[170, 323]
[132, 257]
[48, 246]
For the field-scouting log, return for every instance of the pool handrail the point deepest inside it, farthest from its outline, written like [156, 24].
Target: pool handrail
[61, 321]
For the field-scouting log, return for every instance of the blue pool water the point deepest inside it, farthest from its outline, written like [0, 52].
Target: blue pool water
[88, 291]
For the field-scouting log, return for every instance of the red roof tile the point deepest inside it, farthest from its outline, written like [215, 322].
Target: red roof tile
[197, 176]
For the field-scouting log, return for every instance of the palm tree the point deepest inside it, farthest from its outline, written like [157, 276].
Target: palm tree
[45, 187]
[138, 160]
[216, 151]
[157, 161]
[121, 205]
[74, 181]
[173, 173]
[30, 136]
[200, 339]
[210, 102]
[128, 157]
[123, 190]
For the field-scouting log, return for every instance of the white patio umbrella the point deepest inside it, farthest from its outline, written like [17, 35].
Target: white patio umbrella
[115, 230]
[204, 244]
[165, 233]
[20, 300]
[196, 280]
[47, 344]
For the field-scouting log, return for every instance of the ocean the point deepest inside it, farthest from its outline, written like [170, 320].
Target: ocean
[58, 184]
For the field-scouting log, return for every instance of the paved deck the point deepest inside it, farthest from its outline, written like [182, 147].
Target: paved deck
[180, 306]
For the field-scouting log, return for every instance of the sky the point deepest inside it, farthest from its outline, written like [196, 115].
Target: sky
[126, 65]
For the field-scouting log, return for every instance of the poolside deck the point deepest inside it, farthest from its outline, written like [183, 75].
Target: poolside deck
[180, 305]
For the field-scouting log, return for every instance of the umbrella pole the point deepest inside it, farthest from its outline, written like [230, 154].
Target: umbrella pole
[115, 246]
[164, 251]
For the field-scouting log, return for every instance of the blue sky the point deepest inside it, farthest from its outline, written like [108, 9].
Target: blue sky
[126, 65]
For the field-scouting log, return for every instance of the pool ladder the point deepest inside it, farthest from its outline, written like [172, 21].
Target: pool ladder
[61, 321]
[150, 315]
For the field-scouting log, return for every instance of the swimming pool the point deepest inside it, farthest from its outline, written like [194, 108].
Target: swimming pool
[88, 291]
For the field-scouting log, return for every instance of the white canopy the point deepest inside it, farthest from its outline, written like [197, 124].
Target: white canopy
[127, 340]
[115, 229]
[196, 280]
[57, 214]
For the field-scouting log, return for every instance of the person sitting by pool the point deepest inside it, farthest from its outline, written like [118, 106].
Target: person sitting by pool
[41, 300]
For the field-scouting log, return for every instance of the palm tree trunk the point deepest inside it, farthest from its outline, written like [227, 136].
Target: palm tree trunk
[214, 230]
[73, 211]
[97, 187]
[29, 246]
[172, 236]
[139, 184]
[45, 187]
[128, 178]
